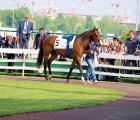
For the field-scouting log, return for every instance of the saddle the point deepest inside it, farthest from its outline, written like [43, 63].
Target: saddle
[69, 39]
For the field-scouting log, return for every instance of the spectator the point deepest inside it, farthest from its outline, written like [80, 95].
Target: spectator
[10, 43]
[137, 35]
[110, 48]
[102, 60]
[110, 62]
[17, 42]
[117, 62]
[101, 77]
[131, 44]
[24, 30]
[115, 43]
[39, 37]
[2, 42]
[104, 48]
[5, 36]
[89, 60]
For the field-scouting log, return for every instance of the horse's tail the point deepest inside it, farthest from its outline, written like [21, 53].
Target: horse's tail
[40, 56]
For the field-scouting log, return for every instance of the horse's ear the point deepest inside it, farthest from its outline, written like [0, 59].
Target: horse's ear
[94, 29]
[97, 29]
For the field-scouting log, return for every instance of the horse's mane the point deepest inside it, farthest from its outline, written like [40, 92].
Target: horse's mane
[83, 33]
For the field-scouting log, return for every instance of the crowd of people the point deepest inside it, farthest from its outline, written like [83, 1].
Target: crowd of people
[21, 40]
[109, 45]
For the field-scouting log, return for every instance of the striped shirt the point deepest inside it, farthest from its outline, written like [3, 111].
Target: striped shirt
[93, 47]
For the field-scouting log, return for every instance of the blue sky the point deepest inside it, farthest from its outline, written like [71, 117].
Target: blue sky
[96, 7]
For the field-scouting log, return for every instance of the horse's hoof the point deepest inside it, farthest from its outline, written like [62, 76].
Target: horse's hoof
[83, 80]
[68, 81]
[48, 81]
[49, 77]
[85, 83]
[46, 78]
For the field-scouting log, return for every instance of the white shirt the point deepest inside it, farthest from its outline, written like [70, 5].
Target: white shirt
[115, 47]
[25, 27]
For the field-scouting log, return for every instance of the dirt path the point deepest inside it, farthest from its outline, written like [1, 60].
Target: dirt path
[127, 108]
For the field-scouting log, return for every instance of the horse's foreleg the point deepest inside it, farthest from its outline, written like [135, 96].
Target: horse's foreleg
[53, 57]
[45, 65]
[81, 70]
[71, 68]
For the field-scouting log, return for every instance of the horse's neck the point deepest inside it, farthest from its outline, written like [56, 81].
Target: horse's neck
[85, 39]
[85, 42]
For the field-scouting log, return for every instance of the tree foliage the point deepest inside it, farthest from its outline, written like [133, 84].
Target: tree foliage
[139, 27]
[89, 23]
[124, 36]
[20, 13]
[108, 25]
[69, 24]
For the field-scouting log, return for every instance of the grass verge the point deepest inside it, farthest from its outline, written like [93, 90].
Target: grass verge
[17, 97]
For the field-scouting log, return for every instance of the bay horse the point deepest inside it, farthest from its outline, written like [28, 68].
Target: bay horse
[80, 43]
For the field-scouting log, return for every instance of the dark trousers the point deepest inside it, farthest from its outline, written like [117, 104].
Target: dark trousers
[24, 44]
[108, 77]
[128, 64]
[10, 56]
[114, 78]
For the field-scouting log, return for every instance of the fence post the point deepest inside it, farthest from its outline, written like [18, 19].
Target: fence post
[120, 69]
[23, 64]
[1, 52]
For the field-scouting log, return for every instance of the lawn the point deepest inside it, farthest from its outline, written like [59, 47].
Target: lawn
[17, 97]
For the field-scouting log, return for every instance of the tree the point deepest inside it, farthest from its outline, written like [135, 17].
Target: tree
[139, 27]
[73, 21]
[39, 21]
[7, 17]
[80, 29]
[124, 36]
[34, 24]
[89, 23]
[20, 13]
[45, 22]
[60, 16]
[1, 17]
[108, 25]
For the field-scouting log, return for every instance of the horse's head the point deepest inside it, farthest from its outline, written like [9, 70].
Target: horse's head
[95, 37]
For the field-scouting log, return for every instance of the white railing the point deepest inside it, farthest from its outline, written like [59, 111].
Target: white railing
[34, 54]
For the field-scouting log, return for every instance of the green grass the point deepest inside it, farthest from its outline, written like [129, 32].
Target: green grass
[18, 97]
[130, 80]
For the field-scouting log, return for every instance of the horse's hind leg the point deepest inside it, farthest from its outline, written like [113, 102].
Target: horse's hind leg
[71, 68]
[45, 65]
[53, 57]
[80, 69]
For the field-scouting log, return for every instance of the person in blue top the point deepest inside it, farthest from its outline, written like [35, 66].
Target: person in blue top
[24, 31]
[89, 60]
[131, 44]
[137, 35]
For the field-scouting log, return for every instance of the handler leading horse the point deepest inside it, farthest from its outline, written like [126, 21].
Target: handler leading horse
[79, 45]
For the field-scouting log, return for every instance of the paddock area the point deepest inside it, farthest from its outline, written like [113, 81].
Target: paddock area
[124, 108]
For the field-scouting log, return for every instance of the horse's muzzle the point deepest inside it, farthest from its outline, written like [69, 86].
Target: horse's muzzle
[98, 45]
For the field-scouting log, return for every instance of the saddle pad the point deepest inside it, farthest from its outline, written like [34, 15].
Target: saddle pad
[61, 43]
